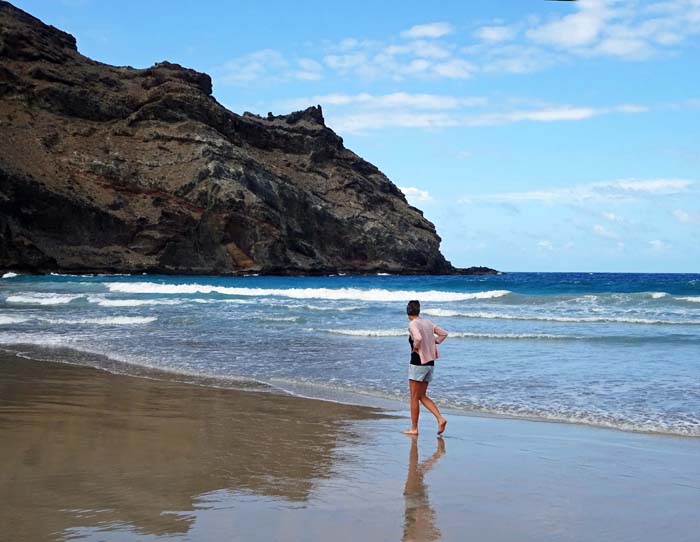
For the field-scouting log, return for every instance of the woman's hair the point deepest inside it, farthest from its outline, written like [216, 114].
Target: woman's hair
[413, 308]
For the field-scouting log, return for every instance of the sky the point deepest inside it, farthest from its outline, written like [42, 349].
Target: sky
[536, 135]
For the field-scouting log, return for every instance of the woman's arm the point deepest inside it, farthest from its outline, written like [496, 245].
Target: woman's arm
[441, 334]
[415, 335]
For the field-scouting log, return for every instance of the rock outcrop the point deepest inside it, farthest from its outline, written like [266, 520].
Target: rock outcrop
[116, 169]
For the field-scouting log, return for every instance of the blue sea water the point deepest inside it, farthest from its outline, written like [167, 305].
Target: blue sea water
[614, 350]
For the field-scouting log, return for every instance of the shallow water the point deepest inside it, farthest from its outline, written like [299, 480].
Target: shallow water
[615, 350]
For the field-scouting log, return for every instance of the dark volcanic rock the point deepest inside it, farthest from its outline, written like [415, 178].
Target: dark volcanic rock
[106, 168]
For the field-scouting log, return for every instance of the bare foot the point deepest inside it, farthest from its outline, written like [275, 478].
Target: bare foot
[410, 432]
[441, 426]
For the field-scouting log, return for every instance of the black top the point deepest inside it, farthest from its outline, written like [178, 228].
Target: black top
[415, 358]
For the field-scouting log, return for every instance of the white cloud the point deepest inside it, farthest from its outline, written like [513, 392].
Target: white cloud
[422, 49]
[415, 195]
[430, 30]
[553, 114]
[495, 34]
[620, 190]
[601, 231]
[416, 58]
[686, 218]
[391, 101]
[629, 30]
[624, 47]
[576, 29]
[376, 120]
[404, 110]
[656, 186]
[455, 69]
[656, 245]
[545, 245]
[309, 69]
[619, 220]
[267, 64]
[252, 67]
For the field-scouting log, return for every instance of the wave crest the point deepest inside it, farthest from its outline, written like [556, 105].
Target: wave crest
[551, 318]
[102, 302]
[42, 299]
[4, 320]
[374, 294]
[452, 335]
[108, 321]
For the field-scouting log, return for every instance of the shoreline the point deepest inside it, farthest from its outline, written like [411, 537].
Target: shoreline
[90, 455]
[314, 392]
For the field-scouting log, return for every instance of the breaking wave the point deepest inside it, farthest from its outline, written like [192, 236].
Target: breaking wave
[551, 318]
[374, 294]
[4, 320]
[42, 299]
[279, 318]
[453, 335]
[109, 321]
[133, 302]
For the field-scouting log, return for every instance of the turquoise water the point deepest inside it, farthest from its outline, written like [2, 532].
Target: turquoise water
[615, 350]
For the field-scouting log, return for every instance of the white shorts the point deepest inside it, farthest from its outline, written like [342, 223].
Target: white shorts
[420, 373]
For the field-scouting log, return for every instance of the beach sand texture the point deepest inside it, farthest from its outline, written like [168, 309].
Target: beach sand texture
[88, 455]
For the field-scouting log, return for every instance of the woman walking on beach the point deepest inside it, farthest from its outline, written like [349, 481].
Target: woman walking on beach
[424, 337]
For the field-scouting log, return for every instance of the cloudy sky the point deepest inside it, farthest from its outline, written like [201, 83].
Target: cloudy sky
[536, 135]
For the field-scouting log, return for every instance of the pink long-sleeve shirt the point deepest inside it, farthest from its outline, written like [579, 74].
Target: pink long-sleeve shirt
[426, 336]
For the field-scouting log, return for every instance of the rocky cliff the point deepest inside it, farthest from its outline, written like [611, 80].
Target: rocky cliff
[116, 169]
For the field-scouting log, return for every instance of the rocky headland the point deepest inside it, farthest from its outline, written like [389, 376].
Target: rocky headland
[113, 169]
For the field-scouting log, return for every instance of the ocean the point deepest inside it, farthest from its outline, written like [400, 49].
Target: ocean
[614, 350]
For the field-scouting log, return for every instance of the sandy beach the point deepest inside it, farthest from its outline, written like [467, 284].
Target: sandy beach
[88, 455]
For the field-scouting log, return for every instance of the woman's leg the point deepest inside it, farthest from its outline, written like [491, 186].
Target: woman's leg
[432, 407]
[416, 393]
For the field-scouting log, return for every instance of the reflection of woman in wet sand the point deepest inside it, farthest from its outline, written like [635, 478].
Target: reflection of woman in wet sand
[419, 517]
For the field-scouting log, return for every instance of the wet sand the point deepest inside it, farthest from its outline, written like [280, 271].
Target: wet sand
[88, 455]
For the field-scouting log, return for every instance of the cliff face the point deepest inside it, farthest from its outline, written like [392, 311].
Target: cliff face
[106, 169]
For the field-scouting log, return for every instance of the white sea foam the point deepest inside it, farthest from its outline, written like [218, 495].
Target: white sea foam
[469, 335]
[12, 319]
[453, 335]
[109, 321]
[690, 298]
[133, 302]
[374, 294]
[368, 332]
[446, 313]
[279, 319]
[9, 275]
[324, 308]
[557, 413]
[657, 295]
[551, 318]
[209, 301]
[37, 338]
[42, 299]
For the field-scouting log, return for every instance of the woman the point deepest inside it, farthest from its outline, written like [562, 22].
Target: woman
[422, 336]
